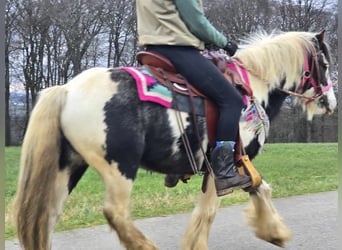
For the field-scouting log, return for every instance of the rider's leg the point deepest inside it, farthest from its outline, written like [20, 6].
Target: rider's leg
[205, 76]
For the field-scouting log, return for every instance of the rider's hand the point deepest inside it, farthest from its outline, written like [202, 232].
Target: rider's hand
[230, 48]
[211, 47]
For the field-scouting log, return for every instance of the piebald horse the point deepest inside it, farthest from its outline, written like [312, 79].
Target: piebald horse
[98, 120]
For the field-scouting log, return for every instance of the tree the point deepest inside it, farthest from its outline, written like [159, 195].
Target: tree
[10, 23]
[302, 15]
[80, 22]
[33, 31]
[50, 41]
[121, 31]
[238, 18]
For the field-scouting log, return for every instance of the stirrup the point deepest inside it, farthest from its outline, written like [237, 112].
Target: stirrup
[244, 166]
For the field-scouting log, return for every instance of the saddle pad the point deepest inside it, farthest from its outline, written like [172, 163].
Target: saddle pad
[151, 90]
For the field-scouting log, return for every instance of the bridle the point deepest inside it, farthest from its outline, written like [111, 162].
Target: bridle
[308, 78]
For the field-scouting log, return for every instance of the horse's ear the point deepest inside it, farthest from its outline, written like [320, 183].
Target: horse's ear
[321, 37]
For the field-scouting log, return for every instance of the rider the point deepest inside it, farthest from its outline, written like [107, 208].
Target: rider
[178, 30]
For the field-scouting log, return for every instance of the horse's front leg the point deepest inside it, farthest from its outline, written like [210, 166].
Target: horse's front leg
[197, 232]
[264, 218]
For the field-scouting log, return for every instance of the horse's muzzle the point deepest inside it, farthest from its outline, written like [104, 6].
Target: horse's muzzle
[329, 112]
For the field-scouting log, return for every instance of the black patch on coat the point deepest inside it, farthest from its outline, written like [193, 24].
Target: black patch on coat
[73, 162]
[275, 101]
[139, 133]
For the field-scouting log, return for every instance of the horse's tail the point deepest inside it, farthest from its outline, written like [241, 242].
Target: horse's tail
[38, 170]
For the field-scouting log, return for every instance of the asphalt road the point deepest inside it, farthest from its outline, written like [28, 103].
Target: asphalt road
[311, 218]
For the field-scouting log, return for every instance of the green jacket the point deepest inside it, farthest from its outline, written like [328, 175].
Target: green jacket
[175, 22]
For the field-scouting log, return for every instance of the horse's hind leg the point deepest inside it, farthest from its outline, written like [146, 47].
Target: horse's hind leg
[72, 167]
[116, 206]
[264, 218]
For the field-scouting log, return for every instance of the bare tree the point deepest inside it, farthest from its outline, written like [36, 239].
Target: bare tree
[10, 19]
[26, 27]
[237, 18]
[302, 15]
[57, 64]
[96, 53]
[33, 30]
[80, 21]
[121, 32]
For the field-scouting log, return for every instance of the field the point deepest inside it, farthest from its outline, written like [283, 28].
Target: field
[291, 169]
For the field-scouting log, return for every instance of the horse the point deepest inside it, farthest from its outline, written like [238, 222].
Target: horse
[97, 120]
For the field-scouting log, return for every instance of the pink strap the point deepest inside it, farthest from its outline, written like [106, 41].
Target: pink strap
[326, 88]
[243, 74]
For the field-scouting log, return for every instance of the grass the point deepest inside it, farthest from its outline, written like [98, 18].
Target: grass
[291, 169]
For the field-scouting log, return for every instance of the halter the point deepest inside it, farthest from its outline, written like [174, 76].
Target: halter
[308, 77]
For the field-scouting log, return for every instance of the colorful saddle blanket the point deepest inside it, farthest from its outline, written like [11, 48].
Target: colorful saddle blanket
[253, 117]
[151, 90]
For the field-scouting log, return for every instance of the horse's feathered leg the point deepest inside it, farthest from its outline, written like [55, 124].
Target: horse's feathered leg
[42, 187]
[117, 203]
[197, 233]
[264, 218]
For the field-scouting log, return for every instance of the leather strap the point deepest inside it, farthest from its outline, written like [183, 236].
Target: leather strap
[211, 110]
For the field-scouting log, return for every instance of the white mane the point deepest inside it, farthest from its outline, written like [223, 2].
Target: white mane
[269, 58]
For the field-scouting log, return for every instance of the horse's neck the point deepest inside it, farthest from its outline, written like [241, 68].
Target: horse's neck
[275, 101]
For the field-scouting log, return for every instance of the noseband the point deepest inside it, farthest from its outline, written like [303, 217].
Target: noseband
[308, 77]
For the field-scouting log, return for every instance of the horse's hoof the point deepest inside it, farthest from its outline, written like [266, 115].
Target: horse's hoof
[277, 242]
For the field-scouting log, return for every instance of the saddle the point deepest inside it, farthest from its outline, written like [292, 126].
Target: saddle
[164, 70]
[166, 74]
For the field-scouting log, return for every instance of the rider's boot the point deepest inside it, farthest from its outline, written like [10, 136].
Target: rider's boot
[226, 177]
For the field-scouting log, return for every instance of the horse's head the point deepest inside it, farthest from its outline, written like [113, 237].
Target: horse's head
[315, 91]
[296, 63]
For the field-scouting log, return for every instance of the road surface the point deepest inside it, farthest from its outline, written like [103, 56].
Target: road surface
[311, 218]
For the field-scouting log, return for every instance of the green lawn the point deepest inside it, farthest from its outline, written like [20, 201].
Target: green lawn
[291, 169]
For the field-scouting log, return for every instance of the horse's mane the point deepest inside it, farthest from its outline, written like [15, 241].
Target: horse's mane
[272, 57]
